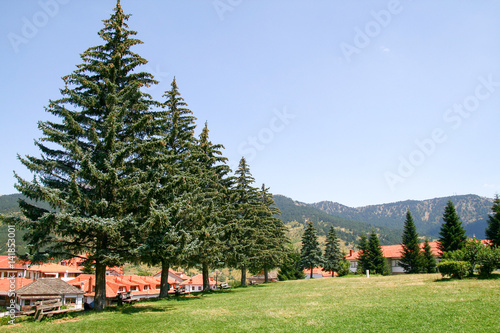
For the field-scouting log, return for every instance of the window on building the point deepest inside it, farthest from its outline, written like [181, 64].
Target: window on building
[71, 300]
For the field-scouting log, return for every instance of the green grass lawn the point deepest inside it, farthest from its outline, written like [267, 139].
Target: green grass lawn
[403, 303]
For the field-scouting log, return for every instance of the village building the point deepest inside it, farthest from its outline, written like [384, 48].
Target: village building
[392, 253]
[8, 285]
[195, 284]
[8, 269]
[51, 270]
[126, 287]
[318, 273]
[48, 289]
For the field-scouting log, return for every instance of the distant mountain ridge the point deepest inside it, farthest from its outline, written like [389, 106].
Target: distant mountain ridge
[296, 214]
[427, 214]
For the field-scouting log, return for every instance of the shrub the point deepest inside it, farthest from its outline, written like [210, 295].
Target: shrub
[344, 268]
[453, 268]
[489, 261]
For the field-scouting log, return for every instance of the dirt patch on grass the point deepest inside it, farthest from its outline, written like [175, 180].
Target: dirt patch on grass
[65, 320]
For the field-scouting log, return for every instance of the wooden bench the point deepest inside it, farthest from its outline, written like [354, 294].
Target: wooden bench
[49, 308]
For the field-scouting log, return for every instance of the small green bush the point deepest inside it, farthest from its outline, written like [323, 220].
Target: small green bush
[453, 268]
[344, 268]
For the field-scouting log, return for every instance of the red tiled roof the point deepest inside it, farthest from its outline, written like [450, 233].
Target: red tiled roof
[394, 251]
[20, 282]
[197, 280]
[53, 268]
[5, 263]
[114, 283]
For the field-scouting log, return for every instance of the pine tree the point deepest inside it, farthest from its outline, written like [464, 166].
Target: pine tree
[310, 254]
[170, 194]
[364, 254]
[452, 234]
[241, 235]
[428, 261]
[410, 257]
[290, 268]
[270, 241]
[88, 172]
[376, 261]
[333, 256]
[211, 203]
[493, 228]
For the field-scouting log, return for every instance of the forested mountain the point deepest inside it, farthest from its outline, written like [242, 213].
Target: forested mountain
[9, 206]
[472, 209]
[295, 214]
[349, 223]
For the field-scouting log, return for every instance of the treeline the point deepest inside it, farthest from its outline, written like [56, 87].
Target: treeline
[126, 178]
[460, 256]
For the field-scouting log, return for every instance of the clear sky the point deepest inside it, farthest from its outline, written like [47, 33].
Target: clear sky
[359, 102]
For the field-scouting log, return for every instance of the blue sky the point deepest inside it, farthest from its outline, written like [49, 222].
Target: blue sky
[350, 101]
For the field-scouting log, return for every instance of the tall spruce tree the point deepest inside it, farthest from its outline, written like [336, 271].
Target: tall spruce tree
[333, 256]
[310, 254]
[212, 203]
[452, 234]
[428, 261]
[410, 256]
[170, 193]
[376, 263]
[364, 254]
[242, 234]
[493, 228]
[271, 240]
[88, 170]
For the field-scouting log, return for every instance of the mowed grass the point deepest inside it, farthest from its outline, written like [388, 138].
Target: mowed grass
[404, 303]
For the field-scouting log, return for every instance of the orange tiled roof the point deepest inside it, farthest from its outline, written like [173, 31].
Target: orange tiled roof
[5, 263]
[197, 280]
[20, 282]
[394, 251]
[53, 268]
[114, 283]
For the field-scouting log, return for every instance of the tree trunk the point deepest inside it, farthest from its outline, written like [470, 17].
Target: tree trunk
[100, 287]
[206, 283]
[164, 286]
[266, 275]
[243, 276]
[311, 272]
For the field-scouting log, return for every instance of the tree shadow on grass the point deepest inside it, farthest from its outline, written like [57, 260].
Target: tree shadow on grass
[473, 277]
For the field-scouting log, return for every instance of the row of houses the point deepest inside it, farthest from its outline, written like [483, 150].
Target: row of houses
[65, 280]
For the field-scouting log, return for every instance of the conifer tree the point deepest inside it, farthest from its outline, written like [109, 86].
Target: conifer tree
[452, 234]
[493, 228]
[241, 235]
[376, 261]
[410, 256]
[212, 204]
[333, 256]
[428, 261]
[364, 254]
[270, 241]
[290, 268]
[170, 194]
[310, 254]
[88, 170]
